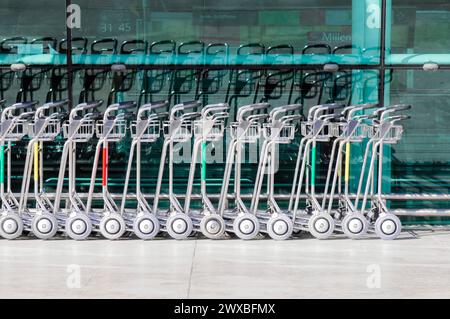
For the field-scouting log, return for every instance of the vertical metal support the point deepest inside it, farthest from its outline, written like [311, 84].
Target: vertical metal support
[386, 175]
[69, 58]
[382, 53]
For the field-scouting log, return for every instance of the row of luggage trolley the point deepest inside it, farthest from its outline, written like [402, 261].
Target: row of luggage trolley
[68, 212]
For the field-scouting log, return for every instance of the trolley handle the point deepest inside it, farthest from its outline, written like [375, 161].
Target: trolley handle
[259, 107]
[364, 117]
[371, 115]
[90, 105]
[152, 106]
[53, 116]
[26, 115]
[398, 108]
[315, 110]
[162, 115]
[7, 111]
[158, 104]
[24, 105]
[122, 116]
[49, 105]
[397, 118]
[257, 118]
[284, 109]
[184, 106]
[57, 104]
[92, 116]
[356, 108]
[290, 118]
[332, 107]
[393, 108]
[250, 108]
[220, 115]
[289, 108]
[214, 108]
[154, 117]
[292, 107]
[126, 105]
[61, 115]
[330, 117]
[191, 104]
[319, 106]
[190, 116]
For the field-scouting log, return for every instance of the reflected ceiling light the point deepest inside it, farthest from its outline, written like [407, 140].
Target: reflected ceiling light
[118, 67]
[431, 67]
[331, 67]
[17, 67]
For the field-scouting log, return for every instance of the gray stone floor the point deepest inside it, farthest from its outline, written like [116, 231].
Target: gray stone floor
[416, 265]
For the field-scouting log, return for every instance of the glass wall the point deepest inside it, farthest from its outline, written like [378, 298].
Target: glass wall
[420, 163]
[417, 32]
[242, 52]
[416, 35]
[31, 31]
[229, 32]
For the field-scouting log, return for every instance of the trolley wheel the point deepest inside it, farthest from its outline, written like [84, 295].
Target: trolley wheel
[280, 227]
[11, 226]
[212, 226]
[78, 227]
[146, 226]
[246, 226]
[44, 225]
[355, 225]
[321, 225]
[179, 226]
[388, 226]
[112, 226]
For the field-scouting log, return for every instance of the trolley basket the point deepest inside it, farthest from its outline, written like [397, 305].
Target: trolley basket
[81, 131]
[148, 131]
[113, 134]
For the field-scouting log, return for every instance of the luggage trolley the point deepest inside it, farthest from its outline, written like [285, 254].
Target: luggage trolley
[111, 129]
[146, 129]
[351, 130]
[278, 130]
[79, 129]
[246, 130]
[385, 131]
[44, 129]
[13, 128]
[210, 128]
[178, 129]
[317, 129]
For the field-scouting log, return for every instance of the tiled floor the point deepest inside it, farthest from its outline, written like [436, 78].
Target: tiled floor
[416, 265]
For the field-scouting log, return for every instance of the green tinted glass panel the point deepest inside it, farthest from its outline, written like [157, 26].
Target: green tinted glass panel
[31, 31]
[235, 32]
[420, 161]
[418, 32]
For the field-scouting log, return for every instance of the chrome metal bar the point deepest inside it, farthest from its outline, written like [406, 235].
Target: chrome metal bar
[394, 197]
[285, 197]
